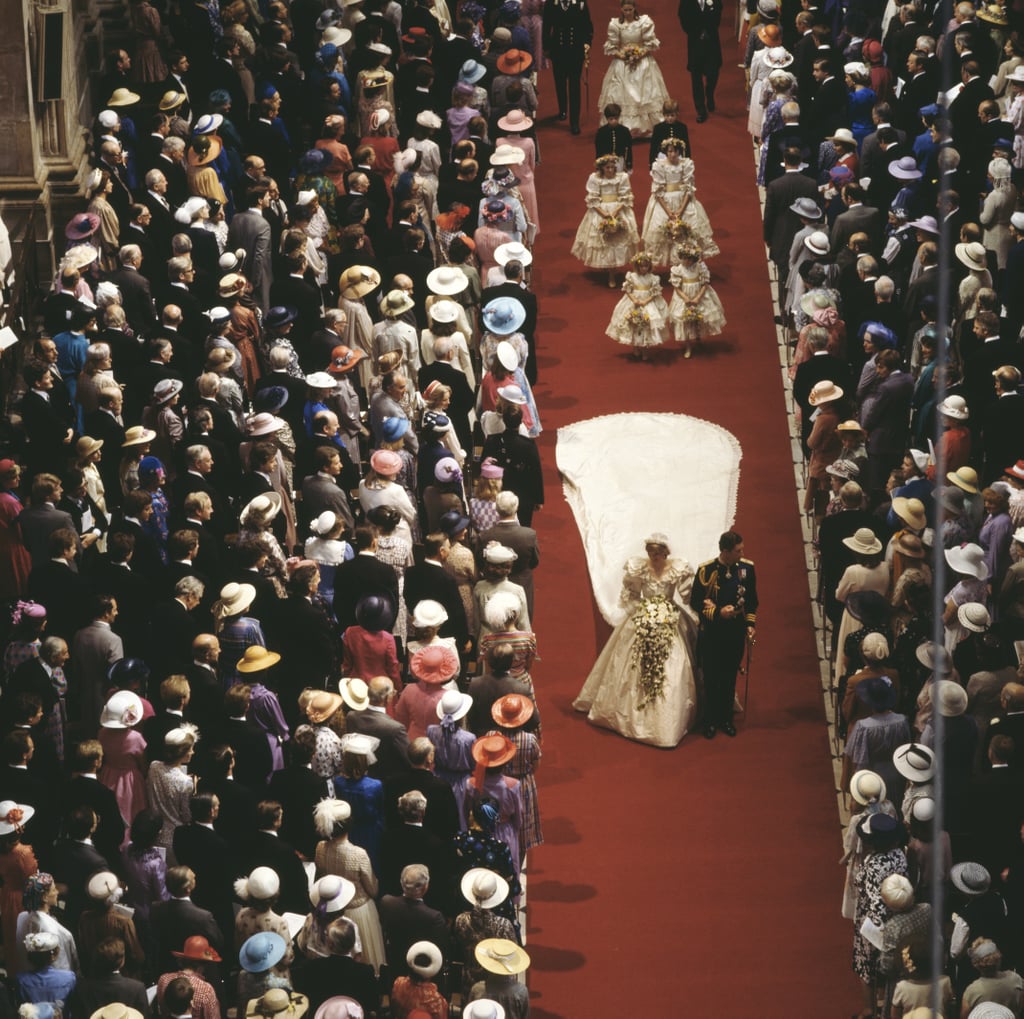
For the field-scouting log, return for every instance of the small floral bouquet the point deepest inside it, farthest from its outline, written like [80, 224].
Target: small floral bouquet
[609, 226]
[638, 319]
[655, 626]
[675, 230]
[633, 55]
[692, 313]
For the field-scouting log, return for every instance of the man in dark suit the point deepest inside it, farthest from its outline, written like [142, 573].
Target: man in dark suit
[174, 697]
[42, 518]
[700, 21]
[170, 163]
[105, 985]
[429, 579]
[302, 633]
[253, 762]
[858, 218]
[567, 34]
[208, 854]
[179, 918]
[1004, 425]
[442, 814]
[136, 297]
[522, 540]
[323, 977]
[48, 429]
[197, 477]
[887, 419]
[409, 841]
[787, 198]
[266, 848]
[406, 919]
[56, 584]
[981, 359]
[368, 715]
[919, 90]
[18, 783]
[236, 817]
[296, 291]
[828, 105]
[75, 859]
[298, 786]
[515, 286]
[83, 789]
[963, 111]
[364, 574]
[996, 807]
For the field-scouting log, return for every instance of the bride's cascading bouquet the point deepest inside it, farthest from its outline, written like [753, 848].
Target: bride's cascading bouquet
[655, 624]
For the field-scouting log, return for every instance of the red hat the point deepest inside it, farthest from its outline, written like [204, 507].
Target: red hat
[197, 947]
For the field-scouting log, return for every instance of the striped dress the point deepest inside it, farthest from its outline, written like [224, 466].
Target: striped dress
[522, 767]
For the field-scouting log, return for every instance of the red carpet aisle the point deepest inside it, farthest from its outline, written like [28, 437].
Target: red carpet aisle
[702, 880]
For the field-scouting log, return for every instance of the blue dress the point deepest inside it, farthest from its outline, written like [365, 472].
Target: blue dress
[453, 761]
[366, 798]
[862, 101]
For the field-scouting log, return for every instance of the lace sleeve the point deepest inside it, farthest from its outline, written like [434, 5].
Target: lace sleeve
[703, 273]
[593, 191]
[629, 283]
[687, 182]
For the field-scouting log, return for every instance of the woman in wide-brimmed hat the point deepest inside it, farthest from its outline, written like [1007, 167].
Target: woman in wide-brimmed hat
[17, 864]
[453, 745]
[827, 399]
[434, 669]
[490, 785]
[485, 891]
[968, 563]
[516, 124]
[236, 630]
[770, 56]
[100, 920]
[868, 571]
[512, 714]
[868, 795]
[260, 518]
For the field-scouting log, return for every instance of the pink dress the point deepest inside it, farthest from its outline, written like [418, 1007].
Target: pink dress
[416, 709]
[15, 562]
[527, 185]
[487, 239]
[123, 751]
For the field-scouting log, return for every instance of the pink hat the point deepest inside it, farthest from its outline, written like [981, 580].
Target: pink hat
[435, 663]
[490, 468]
[386, 463]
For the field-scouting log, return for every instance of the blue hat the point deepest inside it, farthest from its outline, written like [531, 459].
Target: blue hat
[261, 952]
[436, 423]
[268, 91]
[281, 315]
[452, 522]
[503, 316]
[931, 110]
[881, 335]
[128, 670]
[269, 400]
[313, 160]
[471, 72]
[220, 97]
[150, 465]
[327, 54]
[393, 428]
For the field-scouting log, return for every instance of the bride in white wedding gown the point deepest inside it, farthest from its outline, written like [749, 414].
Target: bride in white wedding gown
[642, 684]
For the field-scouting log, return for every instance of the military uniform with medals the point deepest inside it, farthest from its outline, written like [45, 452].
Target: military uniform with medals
[723, 639]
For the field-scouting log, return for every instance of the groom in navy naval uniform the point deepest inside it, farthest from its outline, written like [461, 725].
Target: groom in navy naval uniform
[700, 20]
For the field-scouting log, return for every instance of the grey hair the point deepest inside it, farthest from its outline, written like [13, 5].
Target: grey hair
[415, 877]
[412, 805]
[189, 587]
[51, 647]
[193, 453]
[885, 287]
